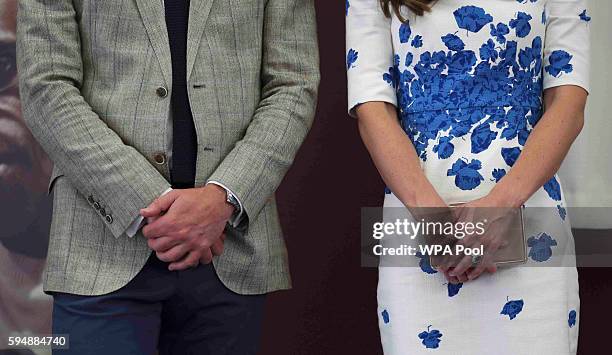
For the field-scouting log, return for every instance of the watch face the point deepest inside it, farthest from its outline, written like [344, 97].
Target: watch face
[233, 200]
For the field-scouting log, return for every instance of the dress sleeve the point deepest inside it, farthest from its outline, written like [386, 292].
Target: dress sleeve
[369, 53]
[567, 44]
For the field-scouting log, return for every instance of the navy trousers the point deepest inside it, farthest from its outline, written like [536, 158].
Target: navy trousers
[187, 312]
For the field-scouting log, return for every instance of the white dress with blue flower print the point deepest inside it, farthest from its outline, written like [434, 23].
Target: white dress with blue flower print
[467, 79]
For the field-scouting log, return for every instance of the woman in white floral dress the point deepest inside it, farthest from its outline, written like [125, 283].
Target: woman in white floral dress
[479, 102]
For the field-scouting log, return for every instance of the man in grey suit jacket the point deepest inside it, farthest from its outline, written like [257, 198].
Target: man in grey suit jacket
[122, 94]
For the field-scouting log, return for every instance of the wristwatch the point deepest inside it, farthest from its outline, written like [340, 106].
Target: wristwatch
[232, 200]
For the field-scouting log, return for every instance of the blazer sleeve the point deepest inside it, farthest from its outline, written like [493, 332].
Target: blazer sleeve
[369, 54]
[254, 168]
[91, 155]
[567, 44]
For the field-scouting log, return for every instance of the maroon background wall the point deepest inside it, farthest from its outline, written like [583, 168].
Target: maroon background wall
[332, 307]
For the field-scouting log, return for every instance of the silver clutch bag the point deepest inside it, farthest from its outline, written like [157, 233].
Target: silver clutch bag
[512, 253]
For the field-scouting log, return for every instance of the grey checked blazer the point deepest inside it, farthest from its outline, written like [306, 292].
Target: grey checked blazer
[95, 83]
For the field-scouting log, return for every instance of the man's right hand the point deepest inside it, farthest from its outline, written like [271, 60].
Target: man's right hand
[159, 247]
[186, 226]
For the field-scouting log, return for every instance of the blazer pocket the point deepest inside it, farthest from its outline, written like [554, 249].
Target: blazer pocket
[55, 174]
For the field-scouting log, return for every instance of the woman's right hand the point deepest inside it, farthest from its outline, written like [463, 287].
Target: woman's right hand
[429, 206]
[396, 158]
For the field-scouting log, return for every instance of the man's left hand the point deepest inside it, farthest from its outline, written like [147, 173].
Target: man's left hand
[186, 226]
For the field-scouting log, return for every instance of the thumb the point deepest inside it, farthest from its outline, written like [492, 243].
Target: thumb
[492, 269]
[160, 205]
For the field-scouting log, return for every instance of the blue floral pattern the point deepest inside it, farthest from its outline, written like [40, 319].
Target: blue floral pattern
[430, 338]
[499, 32]
[584, 17]
[453, 42]
[351, 58]
[466, 174]
[417, 42]
[454, 92]
[498, 174]
[541, 247]
[521, 24]
[512, 308]
[444, 148]
[562, 212]
[560, 62]
[510, 155]
[424, 264]
[468, 80]
[571, 319]
[472, 18]
[553, 189]
[405, 32]
[453, 289]
[385, 316]
[491, 95]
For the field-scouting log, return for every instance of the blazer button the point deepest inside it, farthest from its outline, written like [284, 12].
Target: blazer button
[162, 92]
[102, 211]
[90, 199]
[97, 206]
[108, 218]
[159, 158]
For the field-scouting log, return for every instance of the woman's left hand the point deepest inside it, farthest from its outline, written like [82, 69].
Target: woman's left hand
[495, 213]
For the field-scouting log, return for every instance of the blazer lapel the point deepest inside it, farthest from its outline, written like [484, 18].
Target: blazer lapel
[198, 14]
[154, 19]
